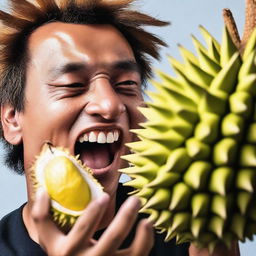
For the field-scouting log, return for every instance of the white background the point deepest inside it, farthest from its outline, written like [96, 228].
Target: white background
[185, 16]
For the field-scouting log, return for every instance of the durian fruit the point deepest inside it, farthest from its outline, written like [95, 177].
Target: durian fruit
[194, 167]
[68, 182]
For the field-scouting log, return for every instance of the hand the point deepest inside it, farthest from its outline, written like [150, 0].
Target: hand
[218, 251]
[79, 241]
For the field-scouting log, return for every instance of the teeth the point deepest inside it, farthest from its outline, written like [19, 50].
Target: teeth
[116, 135]
[92, 137]
[110, 137]
[100, 137]
[85, 137]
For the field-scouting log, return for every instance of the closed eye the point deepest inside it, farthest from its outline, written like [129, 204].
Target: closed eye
[74, 85]
[128, 82]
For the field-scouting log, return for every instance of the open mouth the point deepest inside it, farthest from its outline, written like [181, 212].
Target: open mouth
[98, 149]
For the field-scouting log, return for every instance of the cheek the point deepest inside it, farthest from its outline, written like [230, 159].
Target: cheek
[135, 116]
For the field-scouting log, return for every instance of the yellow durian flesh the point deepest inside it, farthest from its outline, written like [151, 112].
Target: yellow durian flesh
[69, 184]
[62, 179]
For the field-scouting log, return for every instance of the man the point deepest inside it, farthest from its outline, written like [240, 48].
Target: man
[69, 71]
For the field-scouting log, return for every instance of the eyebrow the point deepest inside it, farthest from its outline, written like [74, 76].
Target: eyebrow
[124, 65]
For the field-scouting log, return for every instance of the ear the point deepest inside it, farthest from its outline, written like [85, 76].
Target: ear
[12, 131]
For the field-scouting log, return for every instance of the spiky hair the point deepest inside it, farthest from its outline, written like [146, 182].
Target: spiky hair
[26, 16]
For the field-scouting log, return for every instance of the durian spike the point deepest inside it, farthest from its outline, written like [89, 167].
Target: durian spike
[251, 133]
[200, 203]
[243, 201]
[224, 152]
[197, 174]
[246, 180]
[216, 225]
[247, 84]
[232, 125]
[198, 45]
[207, 64]
[188, 55]
[181, 221]
[248, 66]
[198, 75]
[220, 205]
[238, 225]
[164, 180]
[250, 46]
[241, 103]
[212, 44]
[197, 225]
[180, 197]
[164, 219]
[221, 180]
[226, 78]
[228, 49]
[178, 160]
[248, 156]
[160, 199]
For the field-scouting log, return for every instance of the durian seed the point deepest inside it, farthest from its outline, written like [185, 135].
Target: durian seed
[62, 179]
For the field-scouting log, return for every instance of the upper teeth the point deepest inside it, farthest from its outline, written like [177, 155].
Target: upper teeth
[100, 136]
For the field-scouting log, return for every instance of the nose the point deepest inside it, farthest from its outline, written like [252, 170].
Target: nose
[104, 100]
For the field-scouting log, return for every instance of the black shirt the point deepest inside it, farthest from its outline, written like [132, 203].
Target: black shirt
[15, 241]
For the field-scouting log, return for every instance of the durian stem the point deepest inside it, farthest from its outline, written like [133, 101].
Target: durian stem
[232, 28]
[250, 22]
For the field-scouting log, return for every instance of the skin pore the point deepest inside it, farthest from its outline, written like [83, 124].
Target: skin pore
[80, 78]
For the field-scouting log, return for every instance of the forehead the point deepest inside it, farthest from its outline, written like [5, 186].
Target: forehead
[59, 42]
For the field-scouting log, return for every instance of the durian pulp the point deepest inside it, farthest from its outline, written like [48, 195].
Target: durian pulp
[62, 178]
[71, 190]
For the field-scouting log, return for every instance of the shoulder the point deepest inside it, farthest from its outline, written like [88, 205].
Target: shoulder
[14, 238]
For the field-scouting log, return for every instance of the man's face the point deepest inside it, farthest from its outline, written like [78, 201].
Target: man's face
[82, 93]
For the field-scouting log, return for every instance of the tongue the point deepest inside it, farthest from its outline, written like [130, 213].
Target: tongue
[96, 156]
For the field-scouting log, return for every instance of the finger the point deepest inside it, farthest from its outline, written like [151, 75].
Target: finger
[87, 223]
[48, 233]
[119, 228]
[144, 239]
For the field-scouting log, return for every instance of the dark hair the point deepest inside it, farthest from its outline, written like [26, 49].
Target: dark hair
[24, 17]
